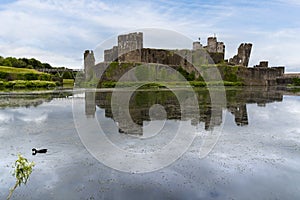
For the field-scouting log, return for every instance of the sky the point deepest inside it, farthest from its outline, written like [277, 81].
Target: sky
[58, 31]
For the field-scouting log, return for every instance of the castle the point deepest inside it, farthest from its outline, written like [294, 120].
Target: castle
[130, 49]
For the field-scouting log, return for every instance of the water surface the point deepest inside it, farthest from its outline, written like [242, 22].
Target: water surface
[257, 155]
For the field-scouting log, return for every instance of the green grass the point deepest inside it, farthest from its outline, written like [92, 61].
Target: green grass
[68, 81]
[12, 73]
[112, 84]
[18, 70]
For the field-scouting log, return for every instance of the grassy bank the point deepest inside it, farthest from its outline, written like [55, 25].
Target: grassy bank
[112, 84]
[22, 84]
[12, 73]
[228, 73]
[22, 78]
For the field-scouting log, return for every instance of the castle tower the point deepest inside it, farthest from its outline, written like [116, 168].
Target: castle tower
[220, 47]
[89, 63]
[212, 44]
[215, 49]
[130, 46]
[197, 45]
[244, 52]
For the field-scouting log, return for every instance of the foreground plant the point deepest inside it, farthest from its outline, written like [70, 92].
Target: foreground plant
[23, 169]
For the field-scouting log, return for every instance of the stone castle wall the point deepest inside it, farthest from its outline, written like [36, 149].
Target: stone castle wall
[130, 50]
[111, 54]
[130, 46]
[261, 76]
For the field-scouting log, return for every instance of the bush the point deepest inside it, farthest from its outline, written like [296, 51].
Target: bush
[3, 75]
[21, 84]
[44, 77]
[108, 84]
[9, 84]
[30, 76]
[296, 81]
[23, 169]
[44, 84]
[198, 83]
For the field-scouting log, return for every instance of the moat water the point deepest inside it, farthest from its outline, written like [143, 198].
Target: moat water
[255, 156]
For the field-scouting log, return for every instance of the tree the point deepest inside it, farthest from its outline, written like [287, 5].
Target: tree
[67, 75]
[46, 65]
[6, 62]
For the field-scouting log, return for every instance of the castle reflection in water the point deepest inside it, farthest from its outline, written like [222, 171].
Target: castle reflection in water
[141, 102]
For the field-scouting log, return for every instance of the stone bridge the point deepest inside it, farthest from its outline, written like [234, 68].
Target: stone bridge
[288, 78]
[60, 71]
[292, 75]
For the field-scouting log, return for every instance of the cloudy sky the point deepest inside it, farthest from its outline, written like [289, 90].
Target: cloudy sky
[58, 31]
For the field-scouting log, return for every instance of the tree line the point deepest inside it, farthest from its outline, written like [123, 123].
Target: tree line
[30, 63]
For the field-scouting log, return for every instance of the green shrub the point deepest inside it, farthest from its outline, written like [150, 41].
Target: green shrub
[198, 83]
[19, 84]
[58, 83]
[296, 81]
[3, 75]
[9, 84]
[23, 169]
[108, 84]
[44, 77]
[30, 76]
[30, 84]
[67, 75]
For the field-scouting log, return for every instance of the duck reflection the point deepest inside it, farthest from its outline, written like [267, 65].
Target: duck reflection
[142, 100]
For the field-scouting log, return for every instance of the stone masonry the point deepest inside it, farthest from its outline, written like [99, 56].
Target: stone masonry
[89, 63]
[213, 46]
[130, 50]
[243, 56]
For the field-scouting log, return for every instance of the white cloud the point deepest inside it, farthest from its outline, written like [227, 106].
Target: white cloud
[59, 31]
[5, 118]
[35, 116]
[278, 47]
[36, 119]
[292, 2]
